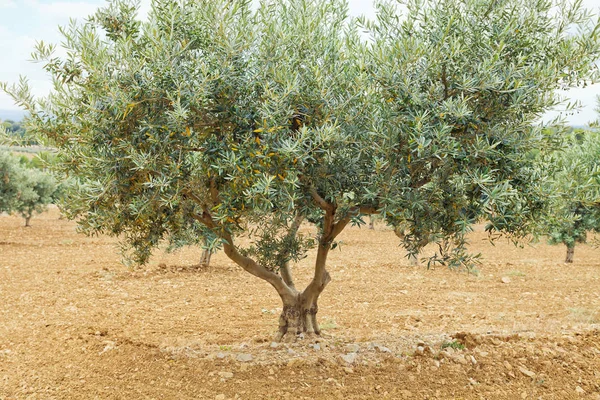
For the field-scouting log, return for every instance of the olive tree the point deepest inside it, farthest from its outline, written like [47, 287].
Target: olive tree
[573, 190]
[24, 190]
[39, 190]
[11, 177]
[216, 121]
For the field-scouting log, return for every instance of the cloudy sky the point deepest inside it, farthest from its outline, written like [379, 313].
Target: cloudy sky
[23, 22]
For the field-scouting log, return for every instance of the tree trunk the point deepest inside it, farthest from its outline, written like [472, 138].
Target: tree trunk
[299, 315]
[413, 260]
[570, 253]
[27, 219]
[300, 309]
[371, 223]
[205, 258]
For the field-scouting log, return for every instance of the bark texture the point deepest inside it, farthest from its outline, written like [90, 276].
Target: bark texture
[570, 254]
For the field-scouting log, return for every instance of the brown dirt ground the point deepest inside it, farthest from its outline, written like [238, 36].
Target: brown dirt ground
[77, 324]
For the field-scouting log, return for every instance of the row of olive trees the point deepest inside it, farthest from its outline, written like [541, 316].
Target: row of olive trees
[213, 120]
[24, 189]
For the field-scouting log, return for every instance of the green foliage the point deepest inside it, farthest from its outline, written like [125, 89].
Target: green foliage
[11, 177]
[213, 120]
[455, 344]
[573, 189]
[23, 189]
[11, 131]
[464, 83]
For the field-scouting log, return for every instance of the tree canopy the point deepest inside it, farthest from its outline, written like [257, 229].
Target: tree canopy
[213, 119]
[573, 190]
[24, 189]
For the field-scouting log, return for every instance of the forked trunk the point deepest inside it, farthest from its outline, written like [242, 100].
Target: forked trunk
[570, 253]
[300, 309]
[298, 318]
[299, 315]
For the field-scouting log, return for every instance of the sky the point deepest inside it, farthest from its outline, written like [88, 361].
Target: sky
[24, 22]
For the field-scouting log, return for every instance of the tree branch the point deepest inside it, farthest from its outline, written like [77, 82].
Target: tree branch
[284, 269]
[321, 202]
[249, 265]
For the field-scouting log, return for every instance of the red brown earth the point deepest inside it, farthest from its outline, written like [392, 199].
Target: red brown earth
[76, 324]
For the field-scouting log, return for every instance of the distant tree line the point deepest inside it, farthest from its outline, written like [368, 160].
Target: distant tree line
[16, 131]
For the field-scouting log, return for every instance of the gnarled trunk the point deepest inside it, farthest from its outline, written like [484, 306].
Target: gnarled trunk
[570, 253]
[299, 317]
[299, 313]
[300, 309]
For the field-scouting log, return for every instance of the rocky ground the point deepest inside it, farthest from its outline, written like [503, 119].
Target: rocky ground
[76, 324]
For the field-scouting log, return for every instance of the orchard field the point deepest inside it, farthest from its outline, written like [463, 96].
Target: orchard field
[75, 323]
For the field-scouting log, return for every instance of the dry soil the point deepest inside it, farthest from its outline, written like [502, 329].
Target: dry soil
[77, 324]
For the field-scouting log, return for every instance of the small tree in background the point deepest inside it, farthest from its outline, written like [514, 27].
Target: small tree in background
[38, 190]
[212, 121]
[11, 177]
[24, 190]
[573, 190]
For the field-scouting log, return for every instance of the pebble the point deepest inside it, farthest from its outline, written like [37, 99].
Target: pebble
[274, 345]
[379, 347]
[244, 357]
[226, 375]
[505, 279]
[220, 397]
[349, 358]
[221, 355]
[526, 372]
[579, 390]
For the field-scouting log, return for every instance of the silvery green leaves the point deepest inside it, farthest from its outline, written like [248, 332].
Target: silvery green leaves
[216, 118]
[463, 84]
[572, 188]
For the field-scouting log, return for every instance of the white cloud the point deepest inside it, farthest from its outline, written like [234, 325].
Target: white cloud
[64, 9]
[7, 4]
